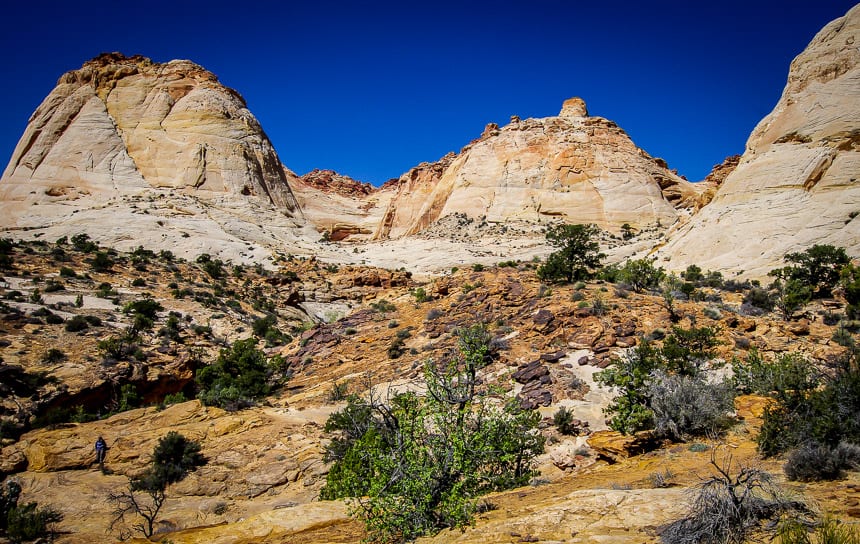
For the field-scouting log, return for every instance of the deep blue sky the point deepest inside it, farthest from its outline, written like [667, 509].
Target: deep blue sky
[371, 89]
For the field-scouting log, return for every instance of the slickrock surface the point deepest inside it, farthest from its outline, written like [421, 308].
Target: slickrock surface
[798, 182]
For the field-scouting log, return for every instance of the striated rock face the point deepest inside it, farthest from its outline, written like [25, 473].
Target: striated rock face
[572, 167]
[123, 126]
[798, 182]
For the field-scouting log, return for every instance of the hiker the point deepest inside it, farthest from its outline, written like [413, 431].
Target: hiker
[101, 451]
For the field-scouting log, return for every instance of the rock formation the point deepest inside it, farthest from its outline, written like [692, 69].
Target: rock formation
[797, 182]
[573, 167]
[120, 127]
[339, 206]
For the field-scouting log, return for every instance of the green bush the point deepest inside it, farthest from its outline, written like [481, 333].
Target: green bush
[240, 376]
[827, 531]
[684, 353]
[102, 262]
[825, 410]
[77, 323]
[30, 522]
[817, 268]
[641, 274]
[788, 373]
[413, 465]
[172, 459]
[563, 421]
[82, 243]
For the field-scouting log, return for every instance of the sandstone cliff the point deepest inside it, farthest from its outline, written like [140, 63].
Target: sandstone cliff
[339, 206]
[573, 167]
[120, 127]
[797, 182]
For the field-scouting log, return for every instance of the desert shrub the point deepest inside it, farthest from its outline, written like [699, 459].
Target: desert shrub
[598, 306]
[661, 480]
[843, 337]
[339, 391]
[712, 313]
[789, 372]
[128, 398]
[814, 461]
[688, 406]
[82, 243]
[563, 421]
[172, 459]
[174, 398]
[102, 262]
[760, 298]
[239, 376]
[138, 282]
[693, 274]
[213, 267]
[420, 295]
[53, 355]
[105, 290]
[684, 352]
[630, 375]
[397, 347]
[77, 323]
[118, 348]
[383, 306]
[53, 319]
[729, 508]
[477, 267]
[30, 522]
[791, 295]
[826, 411]
[412, 465]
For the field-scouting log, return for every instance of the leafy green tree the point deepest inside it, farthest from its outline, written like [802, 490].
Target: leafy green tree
[817, 268]
[578, 254]
[641, 274]
[172, 459]
[415, 464]
[631, 376]
[851, 286]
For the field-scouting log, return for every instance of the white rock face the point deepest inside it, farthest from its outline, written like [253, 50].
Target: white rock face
[798, 183]
[121, 129]
[572, 167]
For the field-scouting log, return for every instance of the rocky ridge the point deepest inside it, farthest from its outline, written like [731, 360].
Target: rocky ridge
[265, 464]
[797, 182]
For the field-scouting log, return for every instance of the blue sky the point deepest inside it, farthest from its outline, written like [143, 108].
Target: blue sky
[371, 89]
